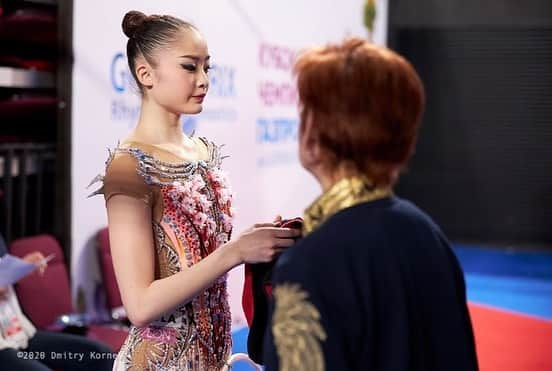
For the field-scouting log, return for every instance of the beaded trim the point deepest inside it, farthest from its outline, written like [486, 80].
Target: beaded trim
[158, 172]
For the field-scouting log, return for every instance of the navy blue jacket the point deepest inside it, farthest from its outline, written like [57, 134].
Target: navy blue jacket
[389, 289]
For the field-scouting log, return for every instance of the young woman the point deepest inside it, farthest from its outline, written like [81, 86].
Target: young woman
[169, 210]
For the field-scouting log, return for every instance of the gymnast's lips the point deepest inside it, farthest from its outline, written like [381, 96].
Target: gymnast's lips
[199, 98]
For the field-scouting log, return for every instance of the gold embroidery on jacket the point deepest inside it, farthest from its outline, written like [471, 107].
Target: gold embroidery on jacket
[343, 194]
[297, 330]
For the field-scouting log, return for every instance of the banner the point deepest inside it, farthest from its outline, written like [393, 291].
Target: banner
[251, 106]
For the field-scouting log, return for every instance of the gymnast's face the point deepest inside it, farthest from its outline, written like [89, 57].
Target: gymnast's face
[179, 81]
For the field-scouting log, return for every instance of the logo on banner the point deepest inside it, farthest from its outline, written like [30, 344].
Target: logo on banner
[222, 81]
[125, 105]
[223, 91]
[121, 78]
[276, 128]
[189, 124]
[125, 102]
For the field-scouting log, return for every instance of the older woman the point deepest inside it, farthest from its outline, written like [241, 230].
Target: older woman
[373, 285]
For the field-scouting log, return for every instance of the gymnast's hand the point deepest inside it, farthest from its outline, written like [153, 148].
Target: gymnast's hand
[263, 242]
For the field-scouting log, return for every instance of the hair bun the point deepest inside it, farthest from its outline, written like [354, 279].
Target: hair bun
[132, 21]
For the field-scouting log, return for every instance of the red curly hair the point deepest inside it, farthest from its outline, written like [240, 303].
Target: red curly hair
[366, 102]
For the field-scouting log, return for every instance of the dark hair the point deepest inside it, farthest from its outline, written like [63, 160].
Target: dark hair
[148, 33]
[366, 103]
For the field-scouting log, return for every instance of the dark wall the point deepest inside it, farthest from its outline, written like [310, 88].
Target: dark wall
[468, 13]
[483, 165]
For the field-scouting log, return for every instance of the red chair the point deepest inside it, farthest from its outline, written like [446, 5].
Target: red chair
[29, 107]
[46, 298]
[25, 24]
[113, 295]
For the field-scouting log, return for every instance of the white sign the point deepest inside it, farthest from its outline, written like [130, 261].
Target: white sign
[251, 105]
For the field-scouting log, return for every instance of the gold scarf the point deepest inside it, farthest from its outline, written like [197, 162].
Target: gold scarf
[343, 194]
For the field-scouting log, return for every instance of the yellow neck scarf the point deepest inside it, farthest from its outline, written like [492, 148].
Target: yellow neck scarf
[343, 194]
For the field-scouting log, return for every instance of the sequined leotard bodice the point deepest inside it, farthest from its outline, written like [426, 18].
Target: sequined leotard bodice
[191, 217]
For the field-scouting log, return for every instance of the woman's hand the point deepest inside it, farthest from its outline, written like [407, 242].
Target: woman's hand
[263, 242]
[37, 259]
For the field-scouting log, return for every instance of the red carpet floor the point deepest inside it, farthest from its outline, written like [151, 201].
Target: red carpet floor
[507, 341]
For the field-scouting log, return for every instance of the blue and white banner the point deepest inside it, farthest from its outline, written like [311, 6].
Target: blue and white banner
[251, 106]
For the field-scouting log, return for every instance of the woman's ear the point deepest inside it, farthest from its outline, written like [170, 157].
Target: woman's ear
[144, 73]
[308, 142]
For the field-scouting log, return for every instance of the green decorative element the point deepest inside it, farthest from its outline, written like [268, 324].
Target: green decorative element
[369, 15]
[81, 300]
